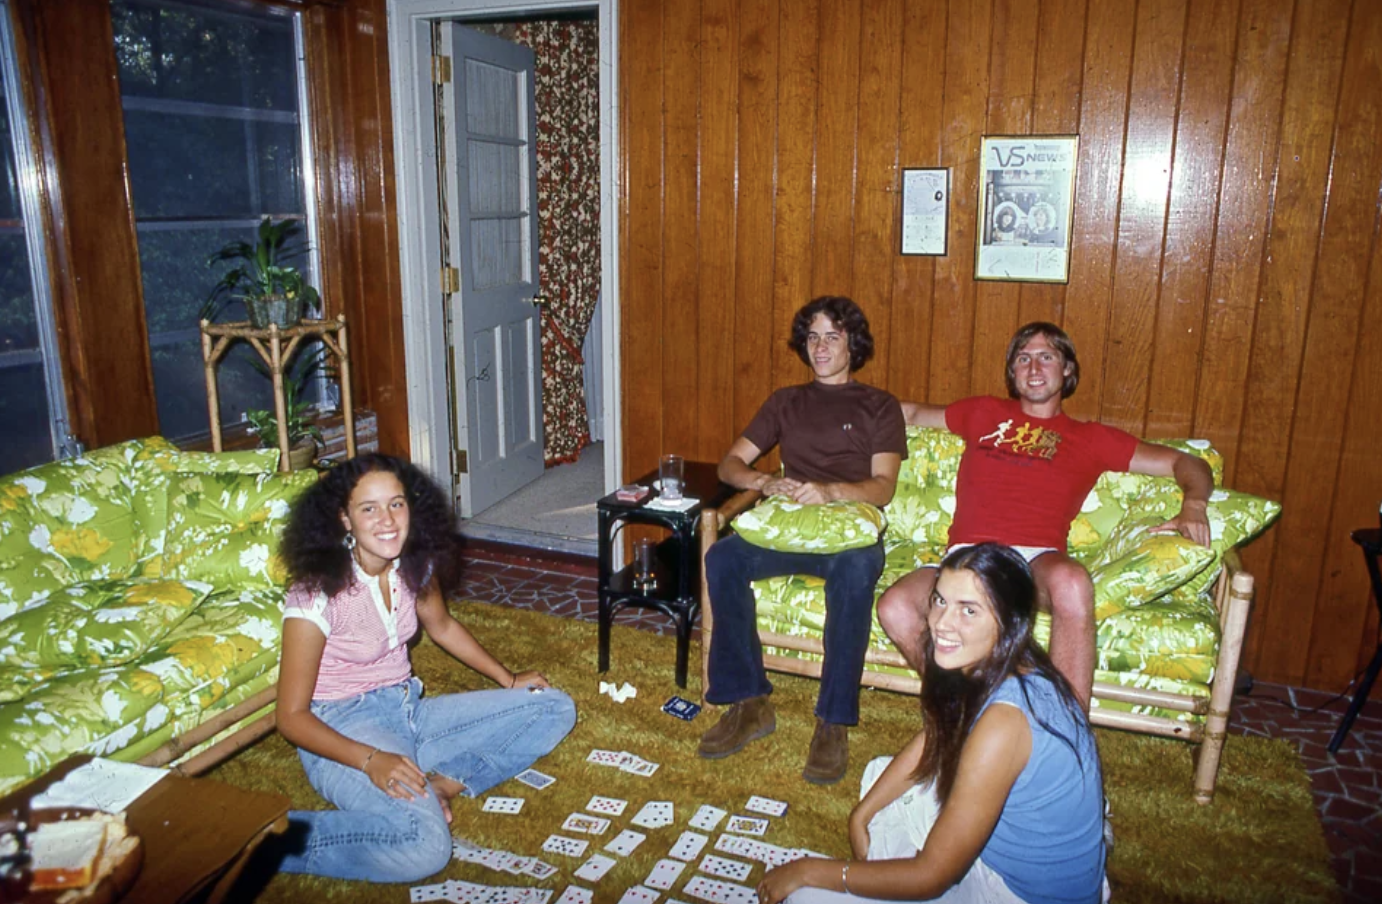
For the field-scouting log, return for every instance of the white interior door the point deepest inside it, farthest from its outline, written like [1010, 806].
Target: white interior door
[494, 243]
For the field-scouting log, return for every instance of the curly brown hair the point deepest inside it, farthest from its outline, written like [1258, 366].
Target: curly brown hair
[313, 546]
[846, 316]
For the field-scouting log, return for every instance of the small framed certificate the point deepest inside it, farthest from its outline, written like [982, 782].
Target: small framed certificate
[925, 210]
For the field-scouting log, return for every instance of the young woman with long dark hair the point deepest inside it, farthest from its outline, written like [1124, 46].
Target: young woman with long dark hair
[369, 550]
[999, 798]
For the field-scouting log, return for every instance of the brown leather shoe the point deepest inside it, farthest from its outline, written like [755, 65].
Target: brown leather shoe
[742, 724]
[829, 756]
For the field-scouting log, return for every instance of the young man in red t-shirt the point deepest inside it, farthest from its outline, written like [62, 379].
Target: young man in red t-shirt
[839, 439]
[1026, 469]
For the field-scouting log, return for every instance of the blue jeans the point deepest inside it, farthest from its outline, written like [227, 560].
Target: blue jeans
[736, 655]
[478, 739]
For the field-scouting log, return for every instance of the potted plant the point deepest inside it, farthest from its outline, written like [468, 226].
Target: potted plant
[272, 290]
[304, 436]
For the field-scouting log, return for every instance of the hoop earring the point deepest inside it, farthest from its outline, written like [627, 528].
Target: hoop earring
[349, 541]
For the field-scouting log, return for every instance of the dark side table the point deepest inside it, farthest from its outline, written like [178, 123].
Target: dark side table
[1371, 543]
[677, 591]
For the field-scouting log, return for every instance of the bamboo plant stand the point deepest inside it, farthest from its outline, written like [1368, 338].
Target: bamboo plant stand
[276, 346]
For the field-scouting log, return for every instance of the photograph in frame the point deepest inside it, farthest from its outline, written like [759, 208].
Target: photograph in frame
[1026, 207]
[925, 210]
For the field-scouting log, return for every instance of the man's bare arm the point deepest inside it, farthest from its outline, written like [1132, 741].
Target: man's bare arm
[1193, 477]
[878, 489]
[737, 470]
[919, 415]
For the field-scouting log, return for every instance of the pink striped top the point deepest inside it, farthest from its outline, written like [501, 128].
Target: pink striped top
[366, 643]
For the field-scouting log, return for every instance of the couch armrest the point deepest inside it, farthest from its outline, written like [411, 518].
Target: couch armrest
[713, 523]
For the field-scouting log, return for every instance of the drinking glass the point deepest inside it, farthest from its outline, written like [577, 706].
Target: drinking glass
[644, 563]
[671, 473]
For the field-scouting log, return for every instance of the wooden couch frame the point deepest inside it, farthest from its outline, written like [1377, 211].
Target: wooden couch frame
[1232, 597]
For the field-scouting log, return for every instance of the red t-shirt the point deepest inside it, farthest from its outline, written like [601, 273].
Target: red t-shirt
[1022, 478]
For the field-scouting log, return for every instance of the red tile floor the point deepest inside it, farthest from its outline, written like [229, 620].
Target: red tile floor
[1348, 794]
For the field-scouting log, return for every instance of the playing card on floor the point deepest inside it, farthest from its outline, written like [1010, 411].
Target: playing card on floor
[427, 893]
[567, 847]
[574, 894]
[589, 825]
[725, 868]
[688, 846]
[606, 757]
[747, 825]
[654, 815]
[720, 892]
[506, 805]
[766, 806]
[594, 869]
[539, 869]
[606, 806]
[664, 875]
[499, 860]
[707, 818]
[466, 851]
[638, 895]
[534, 779]
[639, 766]
[624, 843]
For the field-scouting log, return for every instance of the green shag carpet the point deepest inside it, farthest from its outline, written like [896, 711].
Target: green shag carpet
[1259, 841]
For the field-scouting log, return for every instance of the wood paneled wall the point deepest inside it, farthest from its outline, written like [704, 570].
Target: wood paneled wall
[70, 85]
[1225, 283]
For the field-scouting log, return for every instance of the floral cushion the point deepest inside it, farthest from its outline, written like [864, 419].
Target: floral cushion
[96, 623]
[156, 463]
[786, 526]
[224, 528]
[1155, 565]
[64, 522]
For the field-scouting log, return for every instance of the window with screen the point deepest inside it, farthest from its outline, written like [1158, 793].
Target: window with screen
[217, 139]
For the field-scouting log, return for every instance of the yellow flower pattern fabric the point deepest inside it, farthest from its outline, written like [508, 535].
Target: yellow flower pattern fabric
[779, 523]
[1156, 625]
[224, 528]
[103, 652]
[96, 623]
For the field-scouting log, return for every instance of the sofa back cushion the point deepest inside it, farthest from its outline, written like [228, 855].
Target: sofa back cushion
[155, 464]
[224, 528]
[64, 522]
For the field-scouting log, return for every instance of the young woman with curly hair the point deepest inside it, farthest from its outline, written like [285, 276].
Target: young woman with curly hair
[368, 549]
[999, 798]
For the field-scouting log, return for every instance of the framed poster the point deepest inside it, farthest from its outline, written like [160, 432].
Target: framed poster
[925, 210]
[1026, 207]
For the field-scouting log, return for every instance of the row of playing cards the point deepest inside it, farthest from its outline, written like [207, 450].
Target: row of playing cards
[514, 864]
[622, 759]
[459, 892]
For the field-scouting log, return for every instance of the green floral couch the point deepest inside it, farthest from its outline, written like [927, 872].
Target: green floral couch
[1170, 615]
[140, 601]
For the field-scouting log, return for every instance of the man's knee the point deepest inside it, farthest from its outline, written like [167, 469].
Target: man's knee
[1067, 585]
[903, 604]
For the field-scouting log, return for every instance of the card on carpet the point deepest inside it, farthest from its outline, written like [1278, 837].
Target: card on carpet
[707, 818]
[594, 869]
[567, 847]
[664, 875]
[606, 806]
[575, 894]
[766, 805]
[655, 814]
[624, 843]
[688, 846]
[534, 779]
[638, 895]
[720, 892]
[747, 825]
[725, 868]
[506, 805]
[589, 825]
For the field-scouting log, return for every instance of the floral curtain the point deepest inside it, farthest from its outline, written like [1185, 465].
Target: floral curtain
[568, 174]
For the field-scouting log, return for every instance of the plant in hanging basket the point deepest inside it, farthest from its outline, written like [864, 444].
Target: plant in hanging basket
[273, 291]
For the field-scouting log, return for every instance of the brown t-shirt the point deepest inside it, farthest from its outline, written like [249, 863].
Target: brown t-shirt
[829, 433]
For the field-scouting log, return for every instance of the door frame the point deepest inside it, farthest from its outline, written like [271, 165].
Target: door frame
[419, 229]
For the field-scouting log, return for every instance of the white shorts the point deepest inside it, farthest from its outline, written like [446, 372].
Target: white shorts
[1027, 552]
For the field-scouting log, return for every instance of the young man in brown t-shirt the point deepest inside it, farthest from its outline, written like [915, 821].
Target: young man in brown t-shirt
[839, 439]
